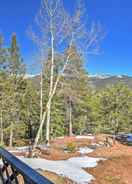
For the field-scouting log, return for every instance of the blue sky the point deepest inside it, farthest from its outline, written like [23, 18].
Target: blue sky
[114, 15]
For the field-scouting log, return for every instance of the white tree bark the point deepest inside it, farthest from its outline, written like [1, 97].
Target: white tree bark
[58, 29]
[50, 98]
[51, 84]
[1, 126]
[70, 118]
[41, 99]
[11, 136]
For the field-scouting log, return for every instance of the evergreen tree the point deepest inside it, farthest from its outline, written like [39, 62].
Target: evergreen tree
[16, 62]
[74, 88]
[115, 108]
[29, 109]
[16, 79]
[3, 56]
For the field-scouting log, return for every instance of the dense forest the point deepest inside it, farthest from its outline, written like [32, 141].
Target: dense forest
[76, 108]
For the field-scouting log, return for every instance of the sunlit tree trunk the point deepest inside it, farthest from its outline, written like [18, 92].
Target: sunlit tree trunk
[41, 100]
[51, 85]
[1, 126]
[49, 101]
[59, 30]
[11, 136]
[70, 118]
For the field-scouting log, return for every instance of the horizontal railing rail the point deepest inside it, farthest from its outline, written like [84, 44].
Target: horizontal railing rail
[14, 171]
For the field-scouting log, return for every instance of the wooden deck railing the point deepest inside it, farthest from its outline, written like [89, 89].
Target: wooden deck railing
[14, 171]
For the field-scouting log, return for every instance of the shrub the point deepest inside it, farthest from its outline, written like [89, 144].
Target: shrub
[71, 146]
[20, 142]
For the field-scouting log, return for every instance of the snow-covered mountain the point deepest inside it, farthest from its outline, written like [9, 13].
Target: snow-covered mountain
[96, 81]
[106, 76]
[101, 81]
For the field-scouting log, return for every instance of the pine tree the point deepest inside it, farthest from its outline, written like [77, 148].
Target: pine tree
[74, 88]
[29, 109]
[16, 74]
[115, 108]
[3, 56]
[3, 83]
[16, 62]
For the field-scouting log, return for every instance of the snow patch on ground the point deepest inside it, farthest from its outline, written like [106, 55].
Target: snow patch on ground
[71, 168]
[22, 149]
[90, 136]
[85, 150]
[84, 137]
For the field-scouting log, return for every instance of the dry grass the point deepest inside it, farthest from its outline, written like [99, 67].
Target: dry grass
[57, 152]
[56, 179]
[117, 169]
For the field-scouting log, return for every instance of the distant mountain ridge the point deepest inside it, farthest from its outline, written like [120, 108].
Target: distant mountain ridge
[97, 81]
[101, 81]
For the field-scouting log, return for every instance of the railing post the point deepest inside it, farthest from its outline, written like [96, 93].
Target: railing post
[12, 167]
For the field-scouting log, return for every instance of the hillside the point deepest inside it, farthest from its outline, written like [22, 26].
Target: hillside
[98, 82]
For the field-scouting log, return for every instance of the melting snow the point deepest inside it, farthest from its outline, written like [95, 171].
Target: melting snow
[85, 137]
[85, 150]
[22, 149]
[71, 168]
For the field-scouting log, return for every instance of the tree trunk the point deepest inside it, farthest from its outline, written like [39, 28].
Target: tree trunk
[41, 100]
[50, 99]
[70, 118]
[1, 126]
[51, 86]
[48, 124]
[39, 130]
[11, 136]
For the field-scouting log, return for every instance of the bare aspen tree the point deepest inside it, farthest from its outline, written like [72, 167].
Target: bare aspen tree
[58, 31]
[70, 117]
[1, 126]
[41, 95]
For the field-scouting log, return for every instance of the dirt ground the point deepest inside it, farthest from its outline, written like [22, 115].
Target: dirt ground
[56, 150]
[56, 179]
[117, 169]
